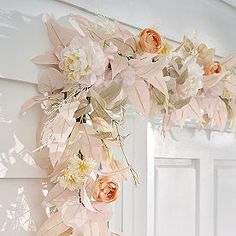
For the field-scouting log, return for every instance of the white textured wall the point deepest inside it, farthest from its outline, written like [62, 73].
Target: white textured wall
[22, 36]
[214, 20]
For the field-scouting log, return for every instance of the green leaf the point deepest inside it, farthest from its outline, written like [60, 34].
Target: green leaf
[84, 108]
[160, 98]
[181, 103]
[99, 106]
[111, 92]
[172, 73]
[182, 78]
[119, 105]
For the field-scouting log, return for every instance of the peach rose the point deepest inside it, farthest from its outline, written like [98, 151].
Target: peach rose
[150, 41]
[212, 68]
[106, 189]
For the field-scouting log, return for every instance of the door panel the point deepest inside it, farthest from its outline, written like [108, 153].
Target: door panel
[225, 198]
[175, 205]
[195, 195]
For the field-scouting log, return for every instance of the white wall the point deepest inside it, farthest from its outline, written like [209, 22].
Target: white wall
[214, 20]
[22, 36]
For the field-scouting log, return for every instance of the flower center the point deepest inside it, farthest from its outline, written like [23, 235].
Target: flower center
[83, 167]
[74, 63]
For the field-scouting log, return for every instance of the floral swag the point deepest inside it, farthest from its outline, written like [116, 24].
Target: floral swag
[92, 72]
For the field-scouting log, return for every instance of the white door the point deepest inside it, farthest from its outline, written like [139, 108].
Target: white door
[194, 183]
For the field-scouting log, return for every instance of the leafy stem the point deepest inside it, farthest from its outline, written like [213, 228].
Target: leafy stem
[132, 171]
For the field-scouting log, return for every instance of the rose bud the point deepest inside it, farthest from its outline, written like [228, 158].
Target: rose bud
[106, 189]
[212, 68]
[150, 41]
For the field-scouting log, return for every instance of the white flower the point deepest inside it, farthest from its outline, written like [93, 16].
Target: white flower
[82, 59]
[195, 76]
[82, 167]
[69, 181]
[77, 173]
[75, 61]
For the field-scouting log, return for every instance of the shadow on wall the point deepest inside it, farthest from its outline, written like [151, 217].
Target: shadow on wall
[17, 137]
[20, 207]
[22, 37]
[22, 182]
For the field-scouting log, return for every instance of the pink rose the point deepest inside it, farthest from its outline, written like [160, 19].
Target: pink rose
[106, 189]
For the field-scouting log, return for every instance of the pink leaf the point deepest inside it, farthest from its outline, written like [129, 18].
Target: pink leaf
[89, 145]
[57, 196]
[46, 59]
[147, 69]
[220, 115]
[168, 121]
[191, 110]
[30, 103]
[229, 60]
[74, 213]
[50, 80]
[40, 128]
[56, 152]
[59, 35]
[79, 218]
[84, 24]
[62, 130]
[122, 32]
[103, 212]
[91, 229]
[89, 28]
[58, 170]
[86, 201]
[67, 111]
[217, 110]
[159, 83]
[230, 84]
[42, 159]
[139, 95]
[152, 73]
[118, 64]
[211, 81]
[53, 226]
[104, 230]
[127, 76]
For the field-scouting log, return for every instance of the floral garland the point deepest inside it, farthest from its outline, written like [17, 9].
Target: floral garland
[92, 72]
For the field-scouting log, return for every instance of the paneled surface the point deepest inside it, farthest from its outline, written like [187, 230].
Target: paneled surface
[225, 198]
[195, 188]
[175, 197]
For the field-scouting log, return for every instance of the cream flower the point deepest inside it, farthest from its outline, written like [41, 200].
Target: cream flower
[83, 167]
[74, 63]
[83, 59]
[77, 173]
[195, 76]
[166, 48]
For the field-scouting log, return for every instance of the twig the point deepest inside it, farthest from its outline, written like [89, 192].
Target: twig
[133, 172]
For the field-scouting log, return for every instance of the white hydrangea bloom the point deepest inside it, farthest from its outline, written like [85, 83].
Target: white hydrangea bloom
[77, 173]
[83, 59]
[195, 76]
[74, 63]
